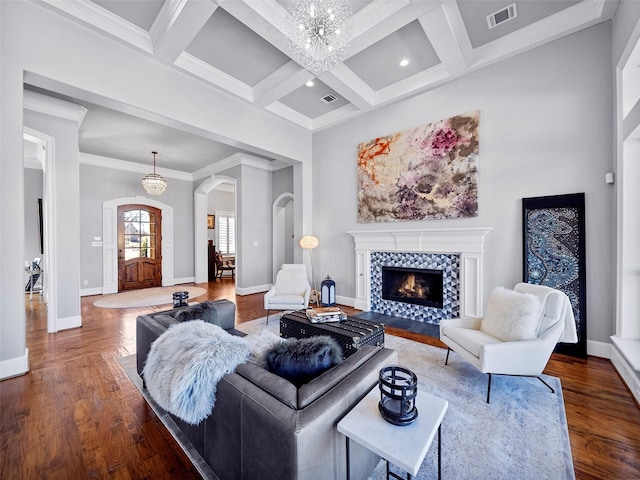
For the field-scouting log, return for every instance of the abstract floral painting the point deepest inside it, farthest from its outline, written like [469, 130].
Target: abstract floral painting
[426, 172]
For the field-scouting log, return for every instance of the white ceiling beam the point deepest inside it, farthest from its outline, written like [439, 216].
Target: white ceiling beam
[350, 86]
[176, 26]
[377, 20]
[444, 41]
[458, 29]
[280, 83]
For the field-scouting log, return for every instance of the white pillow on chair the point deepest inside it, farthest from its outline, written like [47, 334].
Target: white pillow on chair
[512, 316]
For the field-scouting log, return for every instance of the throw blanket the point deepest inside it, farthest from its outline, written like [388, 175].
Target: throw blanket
[185, 364]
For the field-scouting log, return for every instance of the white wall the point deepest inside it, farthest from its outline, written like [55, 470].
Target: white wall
[545, 129]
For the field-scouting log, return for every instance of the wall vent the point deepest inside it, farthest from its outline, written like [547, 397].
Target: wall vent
[329, 97]
[502, 16]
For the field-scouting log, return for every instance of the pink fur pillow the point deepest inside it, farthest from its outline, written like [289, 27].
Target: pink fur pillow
[512, 316]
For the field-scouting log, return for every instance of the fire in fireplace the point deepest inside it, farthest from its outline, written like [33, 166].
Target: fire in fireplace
[419, 286]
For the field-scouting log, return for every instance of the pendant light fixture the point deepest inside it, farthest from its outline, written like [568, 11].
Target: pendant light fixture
[318, 33]
[153, 183]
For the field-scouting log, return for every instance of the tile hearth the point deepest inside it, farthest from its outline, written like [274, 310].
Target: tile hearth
[402, 323]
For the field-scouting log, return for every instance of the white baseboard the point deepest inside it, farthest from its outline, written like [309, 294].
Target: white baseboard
[599, 349]
[12, 367]
[68, 322]
[630, 376]
[255, 289]
[87, 292]
[348, 301]
[178, 281]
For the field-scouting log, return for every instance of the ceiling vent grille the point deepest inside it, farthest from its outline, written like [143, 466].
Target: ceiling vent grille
[502, 16]
[329, 97]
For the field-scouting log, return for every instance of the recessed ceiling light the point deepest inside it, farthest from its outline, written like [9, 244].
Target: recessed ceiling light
[309, 83]
[404, 62]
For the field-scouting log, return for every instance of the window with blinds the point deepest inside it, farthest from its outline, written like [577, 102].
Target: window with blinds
[226, 233]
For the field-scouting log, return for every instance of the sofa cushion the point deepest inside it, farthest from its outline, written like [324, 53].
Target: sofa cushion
[301, 360]
[512, 316]
[316, 388]
[205, 311]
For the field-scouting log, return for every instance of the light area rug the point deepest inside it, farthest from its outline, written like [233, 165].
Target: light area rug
[522, 434]
[147, 297]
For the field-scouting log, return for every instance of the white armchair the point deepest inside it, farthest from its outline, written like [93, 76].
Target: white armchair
[517, 335]
[291, 290]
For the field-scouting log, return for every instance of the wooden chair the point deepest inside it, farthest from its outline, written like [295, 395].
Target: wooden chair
[223, 265]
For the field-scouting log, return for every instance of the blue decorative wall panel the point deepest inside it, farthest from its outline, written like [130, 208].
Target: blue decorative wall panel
[448, 263]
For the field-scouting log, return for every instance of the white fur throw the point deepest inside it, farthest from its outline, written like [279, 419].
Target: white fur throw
[512, 316]
[185, 364]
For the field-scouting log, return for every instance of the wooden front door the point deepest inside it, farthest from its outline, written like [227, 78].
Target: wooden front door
[139, 247]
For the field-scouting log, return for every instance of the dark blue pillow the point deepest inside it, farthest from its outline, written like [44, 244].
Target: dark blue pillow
[301, 360]
[205, 311]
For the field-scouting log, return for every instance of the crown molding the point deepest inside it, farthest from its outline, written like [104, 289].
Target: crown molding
[235, 160]
[126, 166]
[167, 16]
[102, 19]
[335, 117]
[53, 106]
[290, 114]
[205, 72]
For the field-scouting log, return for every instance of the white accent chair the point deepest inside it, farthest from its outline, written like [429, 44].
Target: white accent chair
[291, 290]
[528, 357]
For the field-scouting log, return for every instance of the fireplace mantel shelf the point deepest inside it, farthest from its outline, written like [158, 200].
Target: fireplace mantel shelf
[468, 242]
[435, 240]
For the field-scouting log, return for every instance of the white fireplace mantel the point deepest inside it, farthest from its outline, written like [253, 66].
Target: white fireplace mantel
[466, 242]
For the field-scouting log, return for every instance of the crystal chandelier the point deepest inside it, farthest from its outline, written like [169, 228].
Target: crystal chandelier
[153, 183]
[318, 33]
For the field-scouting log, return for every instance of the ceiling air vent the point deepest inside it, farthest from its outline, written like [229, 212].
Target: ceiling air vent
[329, 97]
[502, 16]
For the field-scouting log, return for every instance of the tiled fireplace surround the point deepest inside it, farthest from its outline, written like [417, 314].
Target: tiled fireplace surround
[457, 251]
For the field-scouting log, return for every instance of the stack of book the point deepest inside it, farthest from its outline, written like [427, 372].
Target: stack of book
[325, 314]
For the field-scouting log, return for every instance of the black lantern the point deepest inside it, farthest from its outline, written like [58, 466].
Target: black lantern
[180, 299]
[398, 390]
[328, 292]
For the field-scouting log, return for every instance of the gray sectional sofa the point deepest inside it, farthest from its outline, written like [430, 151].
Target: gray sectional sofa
[263, 427]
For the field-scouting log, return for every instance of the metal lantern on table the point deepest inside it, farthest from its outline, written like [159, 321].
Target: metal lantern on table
[180, 299]
[328, 292]
[398, 389]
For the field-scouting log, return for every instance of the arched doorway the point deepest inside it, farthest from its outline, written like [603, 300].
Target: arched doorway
[200, 213]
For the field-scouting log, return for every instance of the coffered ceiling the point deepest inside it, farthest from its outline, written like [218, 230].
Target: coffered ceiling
[241, 47]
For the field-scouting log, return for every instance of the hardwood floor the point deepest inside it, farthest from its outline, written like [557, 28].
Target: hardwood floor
[76, 414]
